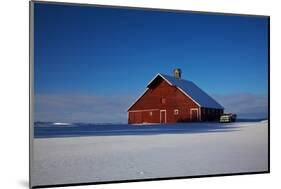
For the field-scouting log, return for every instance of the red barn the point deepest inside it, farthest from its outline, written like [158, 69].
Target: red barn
[170, 99]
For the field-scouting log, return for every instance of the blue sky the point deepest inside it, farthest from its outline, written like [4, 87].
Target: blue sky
[112, 53]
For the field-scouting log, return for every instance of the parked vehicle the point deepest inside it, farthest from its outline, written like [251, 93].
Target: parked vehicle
[228, 118]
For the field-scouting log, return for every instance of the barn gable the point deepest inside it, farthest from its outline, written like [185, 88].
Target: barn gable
[188, 88]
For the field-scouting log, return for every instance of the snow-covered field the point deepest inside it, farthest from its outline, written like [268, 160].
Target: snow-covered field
[243, 148]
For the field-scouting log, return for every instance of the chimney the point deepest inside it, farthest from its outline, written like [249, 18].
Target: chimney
[177, 73]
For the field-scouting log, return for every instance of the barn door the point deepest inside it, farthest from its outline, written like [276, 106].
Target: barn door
[163, 116]
[138, 117]
[194, 114]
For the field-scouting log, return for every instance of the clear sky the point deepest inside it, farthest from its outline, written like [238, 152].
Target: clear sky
[107, 52]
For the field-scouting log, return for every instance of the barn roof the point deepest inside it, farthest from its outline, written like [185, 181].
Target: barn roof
[189, 89]
[193, 91]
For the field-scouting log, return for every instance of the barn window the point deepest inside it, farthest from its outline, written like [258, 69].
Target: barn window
[176, 112]
[163, 100]
[150, 113]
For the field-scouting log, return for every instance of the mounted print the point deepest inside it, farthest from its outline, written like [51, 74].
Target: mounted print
[122, 94]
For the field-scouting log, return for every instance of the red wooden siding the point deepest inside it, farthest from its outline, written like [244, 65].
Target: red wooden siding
[144, 116]
[162, 96]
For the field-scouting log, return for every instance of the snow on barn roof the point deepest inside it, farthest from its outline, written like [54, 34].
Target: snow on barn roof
[191, 90]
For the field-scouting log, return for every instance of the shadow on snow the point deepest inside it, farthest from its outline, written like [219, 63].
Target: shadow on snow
[79, 130]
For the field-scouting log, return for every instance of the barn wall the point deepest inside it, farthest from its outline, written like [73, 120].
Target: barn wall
[208, 114]
[144, 117]
[174, 99]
